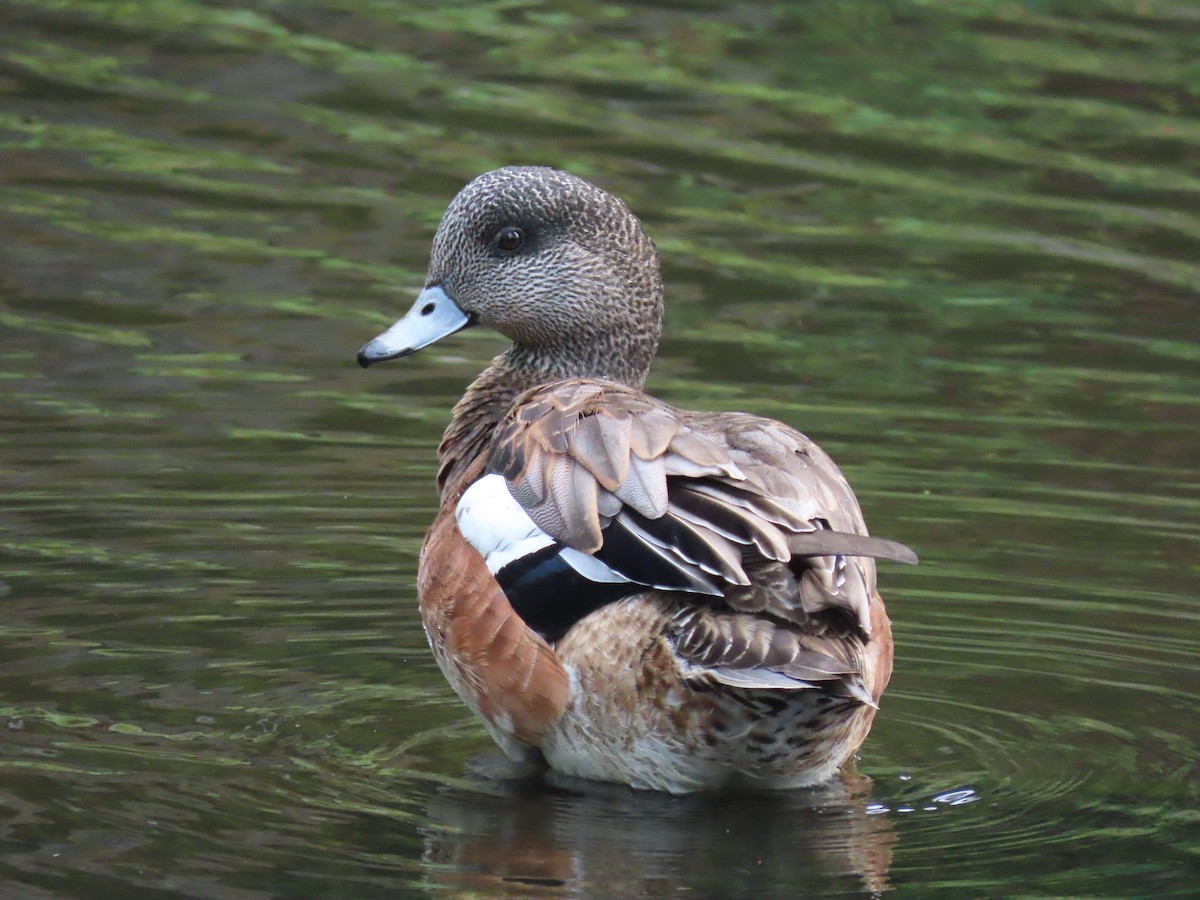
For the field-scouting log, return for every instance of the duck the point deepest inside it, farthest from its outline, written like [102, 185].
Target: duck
[622, 590]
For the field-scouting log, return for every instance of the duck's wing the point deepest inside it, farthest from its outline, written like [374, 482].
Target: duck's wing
[751, 652]
[690, 502]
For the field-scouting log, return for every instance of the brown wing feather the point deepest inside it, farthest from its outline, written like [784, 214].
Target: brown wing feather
[751, 652]
[699, 495]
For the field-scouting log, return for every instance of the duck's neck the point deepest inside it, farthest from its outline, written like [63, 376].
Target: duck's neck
[513, 372]
[472, 422]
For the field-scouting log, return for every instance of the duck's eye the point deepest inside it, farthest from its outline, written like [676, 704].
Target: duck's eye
[510, 239]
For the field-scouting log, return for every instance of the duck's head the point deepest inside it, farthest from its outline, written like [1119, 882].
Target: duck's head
[557, 265]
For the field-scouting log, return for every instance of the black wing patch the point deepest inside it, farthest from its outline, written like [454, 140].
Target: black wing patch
[550, 596]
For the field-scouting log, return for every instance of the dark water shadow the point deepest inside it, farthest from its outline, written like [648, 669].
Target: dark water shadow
[554, 838]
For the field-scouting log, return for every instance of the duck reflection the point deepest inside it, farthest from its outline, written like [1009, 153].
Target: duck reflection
[570, 838]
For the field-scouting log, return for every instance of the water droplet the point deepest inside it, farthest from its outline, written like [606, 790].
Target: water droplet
[957, 798]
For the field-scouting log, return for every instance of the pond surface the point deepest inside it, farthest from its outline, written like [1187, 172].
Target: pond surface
[958, 243]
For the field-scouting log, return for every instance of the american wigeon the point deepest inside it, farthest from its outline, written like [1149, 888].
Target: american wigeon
[628, 591]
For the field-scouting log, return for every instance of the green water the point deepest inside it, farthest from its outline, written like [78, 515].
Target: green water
[958, 243]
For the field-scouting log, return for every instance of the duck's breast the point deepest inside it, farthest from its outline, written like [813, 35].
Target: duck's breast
[503, 670]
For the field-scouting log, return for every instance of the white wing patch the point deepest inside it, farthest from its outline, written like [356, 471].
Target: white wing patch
[591, 568]
[496, 525]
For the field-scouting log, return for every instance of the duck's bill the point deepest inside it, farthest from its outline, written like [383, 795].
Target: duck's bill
[433, 316]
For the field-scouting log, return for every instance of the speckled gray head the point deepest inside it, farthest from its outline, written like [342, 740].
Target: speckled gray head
[557, 265]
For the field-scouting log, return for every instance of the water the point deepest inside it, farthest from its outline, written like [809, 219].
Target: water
[957, 243]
